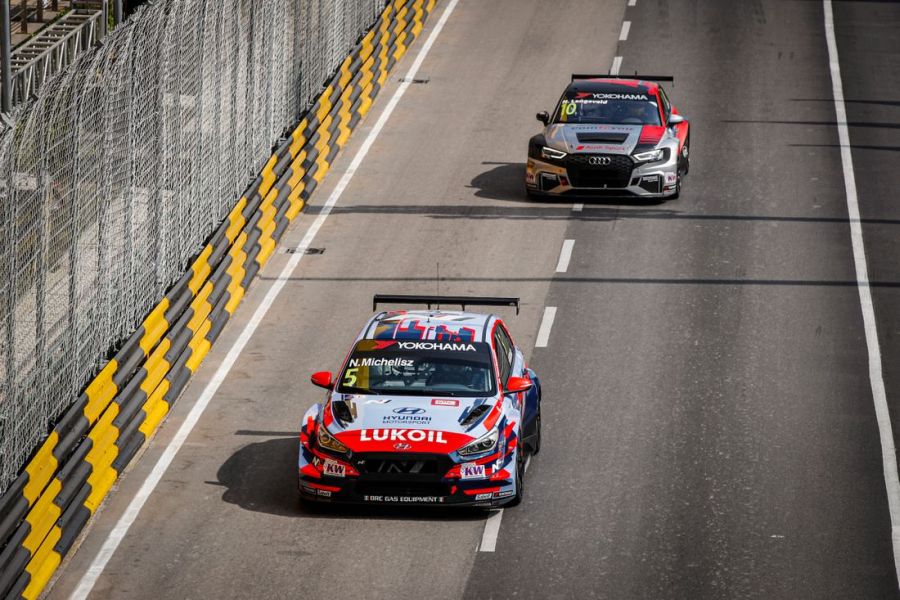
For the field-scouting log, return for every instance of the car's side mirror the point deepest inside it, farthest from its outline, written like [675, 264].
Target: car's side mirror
[323, 379]
[543, 117]
[675, 119]
[515, 385]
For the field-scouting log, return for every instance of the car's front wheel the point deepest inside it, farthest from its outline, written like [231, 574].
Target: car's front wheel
[520, 477]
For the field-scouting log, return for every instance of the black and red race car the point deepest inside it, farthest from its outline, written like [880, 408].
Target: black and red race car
[610, 135]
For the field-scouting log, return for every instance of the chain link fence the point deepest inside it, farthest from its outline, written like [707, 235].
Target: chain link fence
[114, 177]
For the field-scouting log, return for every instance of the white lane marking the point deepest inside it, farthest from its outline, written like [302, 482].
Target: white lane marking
[578, 207]
[879, 395]
[565, 255]
[118, 533]
[626, 27]
[617, 64]
[543, 335]
[632, 2]
[491, 531]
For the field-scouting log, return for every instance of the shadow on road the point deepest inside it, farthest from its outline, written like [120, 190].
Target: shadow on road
[261, 477]
[506, 181]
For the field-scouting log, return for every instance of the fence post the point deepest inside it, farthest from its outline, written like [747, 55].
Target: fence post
[5, 60]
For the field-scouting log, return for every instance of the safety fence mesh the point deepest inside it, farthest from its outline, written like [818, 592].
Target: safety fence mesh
[113, 178]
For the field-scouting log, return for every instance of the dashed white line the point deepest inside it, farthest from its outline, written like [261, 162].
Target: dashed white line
[626, 27]
[565, 255]
[491, 531]
[578, 207]
[118, 533]
[616, 65]
[632, 2]
[876, 378]
[543, 335]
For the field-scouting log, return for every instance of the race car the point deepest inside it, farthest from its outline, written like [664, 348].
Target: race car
[430, 407]
[610, 136]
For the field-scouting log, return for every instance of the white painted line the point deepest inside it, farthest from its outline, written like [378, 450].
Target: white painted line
[491, 531]
[128, 517]
[626, 27]
[617, 64]
[543, 335]
[879, 395]
[632, 2]
[565, 255]
[578, 207]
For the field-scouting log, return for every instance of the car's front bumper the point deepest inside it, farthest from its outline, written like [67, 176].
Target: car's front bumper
[432, 489]
[650, 180]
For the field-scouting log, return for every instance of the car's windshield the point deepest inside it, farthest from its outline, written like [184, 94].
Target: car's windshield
[420, 367]
[613, 108]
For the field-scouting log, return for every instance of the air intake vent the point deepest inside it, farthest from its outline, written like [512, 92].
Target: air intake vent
[474, 415]
[602, 137]
[343, 412]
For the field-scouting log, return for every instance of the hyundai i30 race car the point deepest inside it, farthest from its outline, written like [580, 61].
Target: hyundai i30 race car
[431, 407]
[610, 135]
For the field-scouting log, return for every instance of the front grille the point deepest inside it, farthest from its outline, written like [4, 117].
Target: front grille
[617, 174]
[402, 465]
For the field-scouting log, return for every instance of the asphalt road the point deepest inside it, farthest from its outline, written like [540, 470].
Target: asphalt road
[709, 423]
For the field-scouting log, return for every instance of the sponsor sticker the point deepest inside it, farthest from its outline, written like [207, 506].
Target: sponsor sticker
[504, 494]
[402, 435]
[671, 177]
[406, 499]
[324, 493]
[444, 346]
[444, 402]
[471, 471]
[334, 468]
[381, 362]
[486, 496]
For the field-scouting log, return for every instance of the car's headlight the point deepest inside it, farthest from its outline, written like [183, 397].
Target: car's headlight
[652, 156]
[329, 442]
[483, 444]
[552, 153]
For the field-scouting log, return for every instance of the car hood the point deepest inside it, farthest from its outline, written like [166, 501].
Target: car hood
[407, 423]
[594, 139]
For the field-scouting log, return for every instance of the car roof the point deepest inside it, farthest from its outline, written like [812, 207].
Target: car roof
[443, 325]
[603, 85]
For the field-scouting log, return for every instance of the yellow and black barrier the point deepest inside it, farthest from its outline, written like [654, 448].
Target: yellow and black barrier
[66, 480]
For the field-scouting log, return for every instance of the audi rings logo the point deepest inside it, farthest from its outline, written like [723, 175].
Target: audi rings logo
[600, 161]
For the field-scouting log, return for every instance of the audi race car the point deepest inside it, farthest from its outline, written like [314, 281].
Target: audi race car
[610, 136]
[431, 407]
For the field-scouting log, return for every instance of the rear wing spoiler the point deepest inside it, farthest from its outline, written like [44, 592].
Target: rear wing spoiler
[576, 76]
[462, 301]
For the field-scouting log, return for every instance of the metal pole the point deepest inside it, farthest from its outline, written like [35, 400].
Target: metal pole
[5, 59]
[24, 16]
[117, 11]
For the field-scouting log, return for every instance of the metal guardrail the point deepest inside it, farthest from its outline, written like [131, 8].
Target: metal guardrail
[113, 178]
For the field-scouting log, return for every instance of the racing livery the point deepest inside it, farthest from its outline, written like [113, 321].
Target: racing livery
[430, 407]
[610, 135]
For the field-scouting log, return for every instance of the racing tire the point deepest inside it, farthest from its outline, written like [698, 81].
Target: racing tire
[536, 444]
[677, 193]
[520, 478]
[686, 156]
